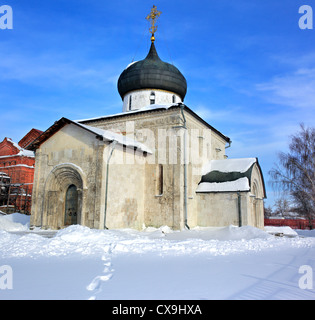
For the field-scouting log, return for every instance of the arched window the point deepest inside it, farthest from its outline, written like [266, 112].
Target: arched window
[152, 98]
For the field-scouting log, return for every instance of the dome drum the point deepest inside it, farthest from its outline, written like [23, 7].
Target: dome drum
[138, 99]
[152, 73]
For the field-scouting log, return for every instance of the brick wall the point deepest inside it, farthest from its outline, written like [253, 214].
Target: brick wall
[293, 223]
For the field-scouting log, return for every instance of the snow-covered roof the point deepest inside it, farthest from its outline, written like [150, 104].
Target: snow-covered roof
[121, 139]
[21, 151]
[104, 135]
[155, 107]
[228, 175]
[147, 108]
[229, 165]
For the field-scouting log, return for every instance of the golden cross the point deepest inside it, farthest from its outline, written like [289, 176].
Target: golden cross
[153, 16]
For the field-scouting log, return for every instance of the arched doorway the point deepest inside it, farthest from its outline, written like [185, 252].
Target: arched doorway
[65, 182]
[71, 206]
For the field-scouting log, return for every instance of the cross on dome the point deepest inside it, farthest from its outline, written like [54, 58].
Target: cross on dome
[152, 17]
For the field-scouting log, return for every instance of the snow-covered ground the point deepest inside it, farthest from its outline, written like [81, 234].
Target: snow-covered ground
[203, 263]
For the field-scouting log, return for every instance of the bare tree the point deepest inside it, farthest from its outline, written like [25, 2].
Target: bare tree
[295, 172]
[282, 207]
[268, 211]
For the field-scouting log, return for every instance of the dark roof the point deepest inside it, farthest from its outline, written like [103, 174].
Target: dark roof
[218, 176]
[152, 73]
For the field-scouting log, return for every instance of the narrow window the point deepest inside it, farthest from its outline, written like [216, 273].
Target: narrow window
[173, 98]
[159, 180]
[130, 102]
[152, 98]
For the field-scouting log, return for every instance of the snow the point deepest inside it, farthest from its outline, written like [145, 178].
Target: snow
[130, 64]
[121, 139]
[150, 107]
[241, 184]
[281, 230]
[202, 263]
[14, 222]
[229, 165]
[22, 152]
[4, 175]
[19, 165]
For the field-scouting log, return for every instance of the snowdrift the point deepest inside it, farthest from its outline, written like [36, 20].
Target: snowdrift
[14, 222]
[80, 240]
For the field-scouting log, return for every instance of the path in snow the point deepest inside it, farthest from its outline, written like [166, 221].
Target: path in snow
[96, 285]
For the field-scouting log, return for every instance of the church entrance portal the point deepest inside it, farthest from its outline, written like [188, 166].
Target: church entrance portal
[64, 190]
[71, 206]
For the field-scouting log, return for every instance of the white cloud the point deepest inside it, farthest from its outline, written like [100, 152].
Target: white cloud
[295, 89]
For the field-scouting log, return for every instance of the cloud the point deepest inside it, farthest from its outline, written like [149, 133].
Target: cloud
[295, 89]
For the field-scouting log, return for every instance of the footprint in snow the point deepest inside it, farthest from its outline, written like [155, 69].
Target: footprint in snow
[96, 284]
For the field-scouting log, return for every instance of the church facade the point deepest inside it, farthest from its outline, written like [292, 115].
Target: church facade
[157, 163]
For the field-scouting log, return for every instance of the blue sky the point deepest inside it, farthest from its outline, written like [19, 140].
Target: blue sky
[249, 67]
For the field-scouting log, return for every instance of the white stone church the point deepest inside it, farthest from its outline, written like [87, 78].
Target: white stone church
[156, 163]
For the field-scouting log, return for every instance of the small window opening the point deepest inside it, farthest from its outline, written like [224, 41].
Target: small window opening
[152, 98]
[130, 102]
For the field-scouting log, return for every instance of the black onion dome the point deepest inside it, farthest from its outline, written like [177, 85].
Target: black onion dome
[152, 73]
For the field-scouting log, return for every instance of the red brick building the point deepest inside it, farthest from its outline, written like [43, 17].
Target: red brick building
[18, 164]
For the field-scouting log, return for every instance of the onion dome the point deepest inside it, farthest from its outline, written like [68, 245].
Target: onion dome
[152, 73]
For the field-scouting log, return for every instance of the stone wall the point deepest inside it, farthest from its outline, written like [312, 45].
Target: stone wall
[70, 156]
[161, 131]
